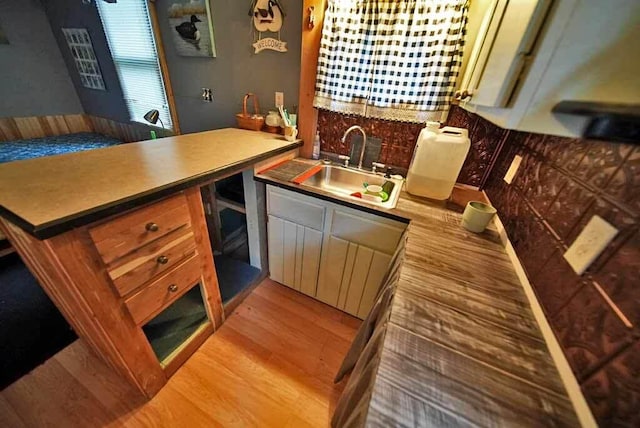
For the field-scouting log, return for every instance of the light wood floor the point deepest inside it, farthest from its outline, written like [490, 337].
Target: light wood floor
[270, 364]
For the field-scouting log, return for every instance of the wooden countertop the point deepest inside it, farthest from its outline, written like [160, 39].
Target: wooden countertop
[49, 195]
[462, 346]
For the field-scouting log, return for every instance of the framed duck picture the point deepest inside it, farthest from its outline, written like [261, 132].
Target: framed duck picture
[191, 28]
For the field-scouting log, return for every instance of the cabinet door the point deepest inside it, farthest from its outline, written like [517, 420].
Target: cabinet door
[351, 276]
[294, 254]
[275, 241]
[502, 45]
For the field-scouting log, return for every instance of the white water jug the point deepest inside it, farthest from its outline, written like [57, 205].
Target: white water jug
[437, 161]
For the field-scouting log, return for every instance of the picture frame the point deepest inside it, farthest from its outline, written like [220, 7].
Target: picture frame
[191, 28]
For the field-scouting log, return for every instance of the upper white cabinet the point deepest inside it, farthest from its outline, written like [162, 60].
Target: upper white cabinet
[503, 44]
[529, 55]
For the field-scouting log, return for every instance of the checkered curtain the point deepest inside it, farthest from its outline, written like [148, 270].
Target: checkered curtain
[387, 59]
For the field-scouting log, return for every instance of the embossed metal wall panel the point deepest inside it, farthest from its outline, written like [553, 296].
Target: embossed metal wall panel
[560, 185]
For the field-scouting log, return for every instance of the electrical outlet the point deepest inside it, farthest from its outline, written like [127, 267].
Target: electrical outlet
[513, 169]
[279, 99]
[593, 239]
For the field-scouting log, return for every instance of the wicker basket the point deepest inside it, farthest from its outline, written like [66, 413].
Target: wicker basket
[254, 121]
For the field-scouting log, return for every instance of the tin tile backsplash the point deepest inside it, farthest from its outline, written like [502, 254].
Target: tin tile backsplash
[560, 185]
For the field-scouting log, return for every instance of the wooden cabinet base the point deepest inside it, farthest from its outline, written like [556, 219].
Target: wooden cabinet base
[72, 273]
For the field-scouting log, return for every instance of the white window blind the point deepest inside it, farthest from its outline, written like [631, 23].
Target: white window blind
[130, 37]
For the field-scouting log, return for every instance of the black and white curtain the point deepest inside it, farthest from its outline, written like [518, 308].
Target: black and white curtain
[390, 59]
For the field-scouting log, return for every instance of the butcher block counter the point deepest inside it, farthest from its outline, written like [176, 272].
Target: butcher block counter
[458, 343]
[117, 238]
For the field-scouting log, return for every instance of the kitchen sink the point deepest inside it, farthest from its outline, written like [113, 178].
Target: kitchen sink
[345, 182]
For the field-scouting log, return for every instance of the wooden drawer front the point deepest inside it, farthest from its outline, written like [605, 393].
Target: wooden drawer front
[151, 300]
[138, 267]
[124, 234]
[296, 208]
[376, 235]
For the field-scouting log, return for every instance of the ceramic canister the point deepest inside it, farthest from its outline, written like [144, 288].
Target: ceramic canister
[477, 216]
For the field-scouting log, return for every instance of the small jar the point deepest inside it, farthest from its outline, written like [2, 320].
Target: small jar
[273, 119]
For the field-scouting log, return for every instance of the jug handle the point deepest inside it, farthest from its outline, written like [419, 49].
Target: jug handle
[454, 130]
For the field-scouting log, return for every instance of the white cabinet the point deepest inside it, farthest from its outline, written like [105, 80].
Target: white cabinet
[294, 254]
[351, 275]
[335, 254]
[528, 56]
[503, 43]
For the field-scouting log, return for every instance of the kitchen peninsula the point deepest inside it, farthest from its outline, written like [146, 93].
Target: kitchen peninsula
[117, 238]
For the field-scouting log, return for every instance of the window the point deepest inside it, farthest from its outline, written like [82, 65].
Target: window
[130, 37]
[390, 59]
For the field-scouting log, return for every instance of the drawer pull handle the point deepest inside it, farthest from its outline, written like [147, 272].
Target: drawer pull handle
[173, 288]
[163, 260]
[151, 227]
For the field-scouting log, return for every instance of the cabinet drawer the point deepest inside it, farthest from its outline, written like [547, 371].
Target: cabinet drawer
[149, 301]
[138, 267]
[126, 233]
[296, 208]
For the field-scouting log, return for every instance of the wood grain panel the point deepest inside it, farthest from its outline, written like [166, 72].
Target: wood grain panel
[20, 128]
[152, 299]
[124, 234]
[69, 269]
[307, 114]
[210, 286]
[449, 380]
[126, 132]
[164, 68]
[137, 268]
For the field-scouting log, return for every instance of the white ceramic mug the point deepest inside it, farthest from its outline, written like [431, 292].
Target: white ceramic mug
[290, 133]
[477, 216]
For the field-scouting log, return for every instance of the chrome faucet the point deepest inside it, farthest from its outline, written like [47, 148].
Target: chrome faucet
[364, 141]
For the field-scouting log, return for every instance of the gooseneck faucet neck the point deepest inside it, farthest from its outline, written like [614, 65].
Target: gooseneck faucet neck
[364, 141]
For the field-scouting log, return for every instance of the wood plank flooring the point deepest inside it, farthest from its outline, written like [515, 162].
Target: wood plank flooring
[271, 364]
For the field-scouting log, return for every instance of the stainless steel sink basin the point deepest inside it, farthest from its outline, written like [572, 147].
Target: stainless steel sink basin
[344, 182]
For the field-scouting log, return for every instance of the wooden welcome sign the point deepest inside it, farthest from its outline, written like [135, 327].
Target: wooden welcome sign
[268, 16]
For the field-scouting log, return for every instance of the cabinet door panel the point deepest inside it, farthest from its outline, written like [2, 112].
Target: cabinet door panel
[379, 266]
[347, 274]
[289, 258]
[333, 262]
[299, 255]
[361, 267]
[310, 261]
[276, 248]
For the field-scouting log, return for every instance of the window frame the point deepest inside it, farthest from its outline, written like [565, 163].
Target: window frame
[158, 62]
